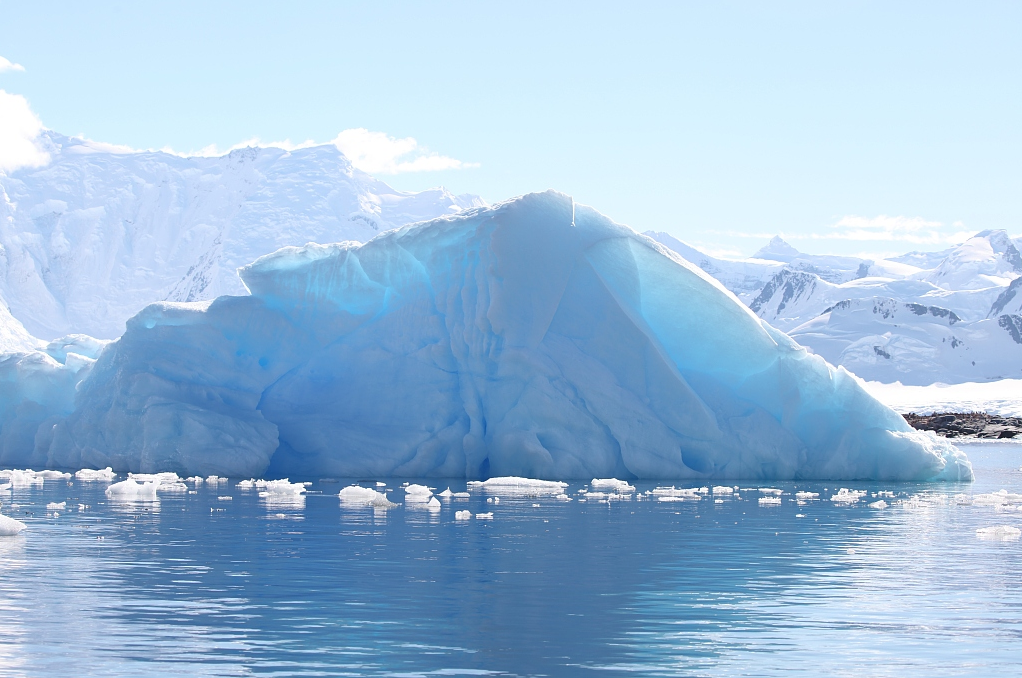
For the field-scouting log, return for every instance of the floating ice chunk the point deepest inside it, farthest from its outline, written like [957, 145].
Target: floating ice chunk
[800, 515]
[417, 494]
[19, 478]
[433, 505]
[196, 480]
[770, 490]
[563, 497]
[5, 487]
[462, 495]
[718, 501]
[692, 493]
[807, 496]
[87, 475]
[612, 485]
[54, 506]
[354, 495]
[671, 498]
[723, 489]
[484, 516]
[769, 501]
[447, 494]
[999, 533]
[999, 498]
[130, 490]
[463, 515]
[963, 500]
[246, 484]
[380, 483]
[881, 504]
[215, 480]
[886, 493]
[165, 477]
[10, 527]
[846, 496]
[225, 498]
[521, 486]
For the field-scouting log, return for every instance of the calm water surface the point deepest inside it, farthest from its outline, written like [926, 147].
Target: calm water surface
[199, 586]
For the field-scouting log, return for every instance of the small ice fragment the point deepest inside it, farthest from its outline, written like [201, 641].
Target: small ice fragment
[462, 515]
[433, 504]
[999, 498]
[718, 501]
[769, 501]
[770, 490]
[246, 484]
[484, 516]
[496, 500]
[54, 506]
[446, 494]
[999, 533]
[364, 496]
[800, 515]
[536, 506]
[380, 484]
[462, 495]
[489, 500]
[86, 474]
[807, 496]
[516, 485]
[197, 480]
[723, 489]
[676, 494]
[130, 490]
[224, 498]
[10, 527]
[417, 494]
[563, 497]
[612, 485]
[846, 496]
[881, 504]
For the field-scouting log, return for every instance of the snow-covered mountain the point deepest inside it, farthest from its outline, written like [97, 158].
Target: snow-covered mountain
[99, 232]
[921, 318]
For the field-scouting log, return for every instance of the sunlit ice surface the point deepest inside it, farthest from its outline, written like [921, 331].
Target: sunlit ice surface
[222, 578]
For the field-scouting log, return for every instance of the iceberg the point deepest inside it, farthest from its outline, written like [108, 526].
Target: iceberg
[534, 339]
[10, 527]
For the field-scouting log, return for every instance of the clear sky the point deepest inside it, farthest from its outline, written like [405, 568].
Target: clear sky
[847, 127]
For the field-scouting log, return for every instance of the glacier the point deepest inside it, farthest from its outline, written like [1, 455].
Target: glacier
[100, 231]
[535, 338]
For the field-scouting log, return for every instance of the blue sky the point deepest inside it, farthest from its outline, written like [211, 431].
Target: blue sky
[848, 127]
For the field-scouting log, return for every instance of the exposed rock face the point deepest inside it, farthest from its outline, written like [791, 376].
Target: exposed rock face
[966, 425]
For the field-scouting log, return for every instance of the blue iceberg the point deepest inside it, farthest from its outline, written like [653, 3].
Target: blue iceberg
[534, 338]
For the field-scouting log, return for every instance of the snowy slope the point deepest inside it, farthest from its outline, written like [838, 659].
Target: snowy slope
[861, 314]
[98, 233]
[535, 338]
[13, 335]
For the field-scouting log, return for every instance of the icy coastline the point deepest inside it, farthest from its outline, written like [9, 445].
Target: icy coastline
[536, 338]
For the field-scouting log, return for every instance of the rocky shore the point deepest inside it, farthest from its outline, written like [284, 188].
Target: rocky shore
[966, 424]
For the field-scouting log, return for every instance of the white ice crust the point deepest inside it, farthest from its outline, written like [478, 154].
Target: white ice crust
[534, 339]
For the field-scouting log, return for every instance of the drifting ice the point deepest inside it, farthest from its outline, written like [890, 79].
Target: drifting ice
[10, 527]
[536, 338]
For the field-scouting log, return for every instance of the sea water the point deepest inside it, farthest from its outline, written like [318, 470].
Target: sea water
[703, 583]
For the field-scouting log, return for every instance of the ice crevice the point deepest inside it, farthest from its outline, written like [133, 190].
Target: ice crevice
[536, 338]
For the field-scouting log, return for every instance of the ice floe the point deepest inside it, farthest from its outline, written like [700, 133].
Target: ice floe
[462, 515]
[723, 489]
[846, 496]
[10, 527]
[516, 485]
[56, 506]
[484, 516]
[130, 490]
[88, 475]
[881, 504]
[769, 501]
[29, 478]
[611, 485]
[999, 533]
[807, 496]
[355, 495]
[999, 498]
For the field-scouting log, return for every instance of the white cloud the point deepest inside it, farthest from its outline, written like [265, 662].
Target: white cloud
[19, 134]
[6, 65]
[895, 229]
[378, 153]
